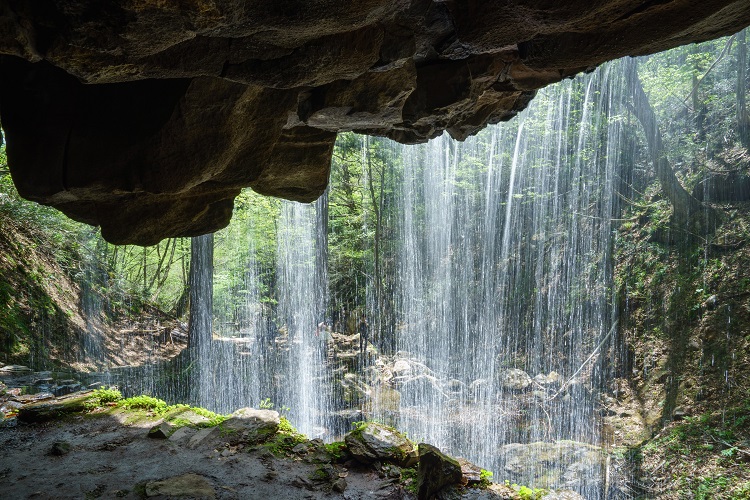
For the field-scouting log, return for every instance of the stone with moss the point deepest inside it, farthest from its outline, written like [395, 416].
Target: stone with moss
[436, 471]
[252, 425]
[51, 410]
[161, 431]
[371, 442]
[185, 485]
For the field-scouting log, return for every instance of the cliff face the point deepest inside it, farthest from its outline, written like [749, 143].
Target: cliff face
[148, 117]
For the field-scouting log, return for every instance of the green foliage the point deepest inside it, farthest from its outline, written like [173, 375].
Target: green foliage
[266, 404]
[214, 419]
[485, 478]
[144, 402]
[526, 493]
[285, 439]
[158, 407]
[100, 397]
[713, 441]
[336, 449]
[286, 427]
[409, 479]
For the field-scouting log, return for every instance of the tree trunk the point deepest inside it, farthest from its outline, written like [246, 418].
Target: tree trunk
[201, 292]
[687, 210]
[743, 120]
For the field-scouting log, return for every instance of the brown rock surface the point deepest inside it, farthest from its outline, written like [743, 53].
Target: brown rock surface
[148, 117]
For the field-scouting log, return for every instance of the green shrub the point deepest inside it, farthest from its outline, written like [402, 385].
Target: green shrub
[144, 402]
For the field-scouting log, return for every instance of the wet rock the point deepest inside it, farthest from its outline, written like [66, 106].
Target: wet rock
[300, 449]
[514, 379]
[492, 492]
[559, 464]
[563, 495]
[303, 483]
[480, 388]
[376, 442]
[339, 485]
[8, 422]
[401, 368]
[31, 398]
[43, 381]
[472, 473]
[161, 431]
[354, 389]
[253, 425]
[552, 378]
[436, 471]
[455, 386]
[15, 370]
[192, 417]
[679, 413]
[421, 388]
[186, 485]
[384, 398]
[324, 473]
[63, 390]
[200, 437]
[711, 303]
[45, 411]
[181, 435]
[343, 419]
[9, 406]
[60, 448]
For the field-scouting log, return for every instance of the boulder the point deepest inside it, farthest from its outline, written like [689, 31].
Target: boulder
[480, 388]
[60, 448]
[15, 370]
[373, 442]
[563, 495]
[552, 378]
[472, 473]
[401, 368]
[191, 417]
[420, 389]
[339, 485]
[185, 486]
[514, 379]
[492, 492]
[51, 410]
[436, 471]
[252, 425]
[161, 431]
[559, 464]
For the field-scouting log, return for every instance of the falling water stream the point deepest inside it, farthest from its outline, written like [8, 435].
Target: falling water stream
[502, 299]
[523, 291]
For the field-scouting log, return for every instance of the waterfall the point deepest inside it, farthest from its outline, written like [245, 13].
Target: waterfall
[505, 271]
[301, 305]
[501, 293]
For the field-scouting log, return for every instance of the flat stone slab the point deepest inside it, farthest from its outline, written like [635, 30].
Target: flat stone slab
[186, 485]
[50, 410]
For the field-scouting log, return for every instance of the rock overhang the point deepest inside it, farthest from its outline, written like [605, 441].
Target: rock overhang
[147, 118]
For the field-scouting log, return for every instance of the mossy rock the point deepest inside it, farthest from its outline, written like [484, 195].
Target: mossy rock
[373, 442]
[436, 471]
[52, 410]
[252, 425]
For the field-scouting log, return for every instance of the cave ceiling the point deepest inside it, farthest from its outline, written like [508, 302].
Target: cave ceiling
[147, 117]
